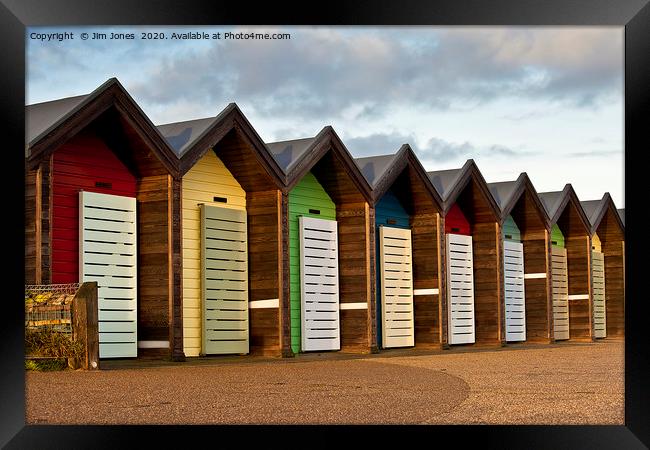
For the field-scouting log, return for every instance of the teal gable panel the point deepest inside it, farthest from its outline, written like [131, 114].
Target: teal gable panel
[511, 230]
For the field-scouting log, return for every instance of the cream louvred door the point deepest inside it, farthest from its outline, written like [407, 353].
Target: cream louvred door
[460, 303]
[515, 302]
[224, 279]
[560, 293]
[396, 279]
[107, 255]
[598, 274]
[319, 284]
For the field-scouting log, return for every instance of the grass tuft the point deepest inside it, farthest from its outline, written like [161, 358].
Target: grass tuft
[49, 343]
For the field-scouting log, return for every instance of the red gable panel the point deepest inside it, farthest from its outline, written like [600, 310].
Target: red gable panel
[83, 163]
[455, 222]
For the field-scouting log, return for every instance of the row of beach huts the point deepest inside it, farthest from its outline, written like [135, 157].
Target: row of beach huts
[205, 240]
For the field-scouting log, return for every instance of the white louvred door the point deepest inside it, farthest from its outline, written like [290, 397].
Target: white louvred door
[319, 284]
[515, 299]
[560, 293]
[107, 255]
[598, 274]
[224, 280]
[398, 327]
[460, 287]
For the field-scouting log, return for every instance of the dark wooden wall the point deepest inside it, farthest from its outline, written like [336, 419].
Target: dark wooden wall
[578, 247]
[175, 230]
[486, 238]
[32, 226]
[537, 290]
[615, 287]
[356, 237]
[425, 240]
[264, 250]
[613, 245]
[536, 241]
[46, 220]
[443, 319]
[579, 274]
[154, 258]
[284, 273]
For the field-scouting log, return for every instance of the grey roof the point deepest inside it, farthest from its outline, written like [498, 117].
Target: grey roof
[181, 135]
[591, 209]
[551, 201]
[621, 213]
[40, 117]
[502, 191]
[444, 180]
[374, 167]
[288, 153]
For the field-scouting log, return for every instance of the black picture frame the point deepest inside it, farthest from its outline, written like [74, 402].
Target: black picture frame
[634, 15]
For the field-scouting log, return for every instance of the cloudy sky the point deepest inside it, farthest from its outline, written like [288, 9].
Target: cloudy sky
[543, 100]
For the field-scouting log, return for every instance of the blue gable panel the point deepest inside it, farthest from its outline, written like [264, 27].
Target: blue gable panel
[390, 212]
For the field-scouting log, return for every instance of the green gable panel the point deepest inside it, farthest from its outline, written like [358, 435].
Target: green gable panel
[557, 238]
[309, 199]
[511, 230]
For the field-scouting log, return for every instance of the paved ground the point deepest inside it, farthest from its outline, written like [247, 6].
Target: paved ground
[580, 383]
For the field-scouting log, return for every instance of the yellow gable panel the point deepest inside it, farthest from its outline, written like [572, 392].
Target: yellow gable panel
[209, 178]
[595, 243]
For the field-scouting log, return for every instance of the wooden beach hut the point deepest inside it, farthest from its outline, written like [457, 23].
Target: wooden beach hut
[570, 266]
[331, 245]
[231, 195]
[526, 244]
[408, 235]
[474, 267]
[607, 267]
[103, 204]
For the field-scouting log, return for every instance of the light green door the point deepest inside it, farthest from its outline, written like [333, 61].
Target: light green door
[224, 280]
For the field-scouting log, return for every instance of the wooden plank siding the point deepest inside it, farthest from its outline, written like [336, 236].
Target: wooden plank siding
[538, 298]
[264, 211]
[486, 240]
[175, 233]
[154, 272]
[615, 287]
[442, 284]
[32, 226]
[207, 179]
[357, 282]
[284, 274]
[425, 234]
[613, 246]
[579, 273]
[45, 196]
